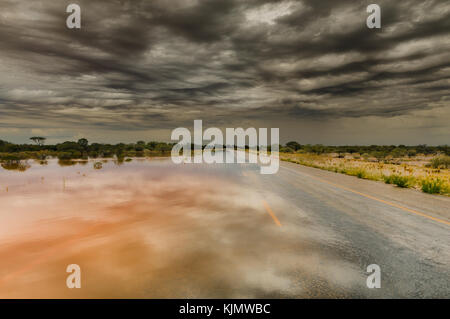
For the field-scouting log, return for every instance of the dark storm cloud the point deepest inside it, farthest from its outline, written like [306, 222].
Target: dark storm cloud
[139, 65]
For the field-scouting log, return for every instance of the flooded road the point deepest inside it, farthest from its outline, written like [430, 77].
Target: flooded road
[151, 229]
[141, 229]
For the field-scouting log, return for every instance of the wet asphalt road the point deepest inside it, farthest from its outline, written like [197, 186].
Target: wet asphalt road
[360, 222]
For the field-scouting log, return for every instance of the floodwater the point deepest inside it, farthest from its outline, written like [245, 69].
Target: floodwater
[141, 229]
[146, 229]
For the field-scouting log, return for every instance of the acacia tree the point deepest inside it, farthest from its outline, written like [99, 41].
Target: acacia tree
[38, 140]
[294, 145]
[83, 142]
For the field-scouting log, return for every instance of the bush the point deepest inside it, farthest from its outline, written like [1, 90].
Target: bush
[139, 154]
[286, 150]
[64, 156]
[93, 154]
[163, 147]
[77, 154]
[441, 162]
[361, 174]
[400, 181]
[10, 158]
[98, 165]
[433, 186]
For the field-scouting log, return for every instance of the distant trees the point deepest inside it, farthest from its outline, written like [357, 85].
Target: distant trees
[140, 146]
[83, 143]
[377, 151]
[82, 149]
[163, 147]
[399, 152]
[294, 145]
[151, 145]
[39, 140]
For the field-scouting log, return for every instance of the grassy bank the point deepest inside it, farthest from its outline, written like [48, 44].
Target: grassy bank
[431, 174]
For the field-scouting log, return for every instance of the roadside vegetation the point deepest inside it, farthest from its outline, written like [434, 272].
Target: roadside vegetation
[422, 167]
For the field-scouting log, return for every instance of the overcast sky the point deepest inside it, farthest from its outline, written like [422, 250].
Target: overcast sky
[139, 69]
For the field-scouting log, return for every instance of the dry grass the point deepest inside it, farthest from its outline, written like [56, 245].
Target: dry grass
[408, 172]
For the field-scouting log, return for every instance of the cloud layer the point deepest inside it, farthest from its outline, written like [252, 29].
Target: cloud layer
[142, 68]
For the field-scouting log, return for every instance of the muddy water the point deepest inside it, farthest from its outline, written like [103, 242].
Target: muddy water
[140, 229]
[148, 229]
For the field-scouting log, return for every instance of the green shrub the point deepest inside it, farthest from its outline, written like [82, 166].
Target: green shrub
[400, 181]
[98, 165]
[286, 150]
[441, 162]
[433, 186]
[64, 156]
[361, 174]
[93, 154]
[10, 158]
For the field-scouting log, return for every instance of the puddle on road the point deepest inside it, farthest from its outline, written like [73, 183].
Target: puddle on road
[145, 229]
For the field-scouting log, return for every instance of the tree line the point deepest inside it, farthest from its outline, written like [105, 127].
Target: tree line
[82, 149]
[377, 151]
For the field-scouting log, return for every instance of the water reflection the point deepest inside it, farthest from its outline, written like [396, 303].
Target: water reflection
[67, 163]
[20, 166]
[145, 229]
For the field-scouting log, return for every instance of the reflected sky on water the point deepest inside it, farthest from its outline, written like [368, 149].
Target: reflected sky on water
[145, 229]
